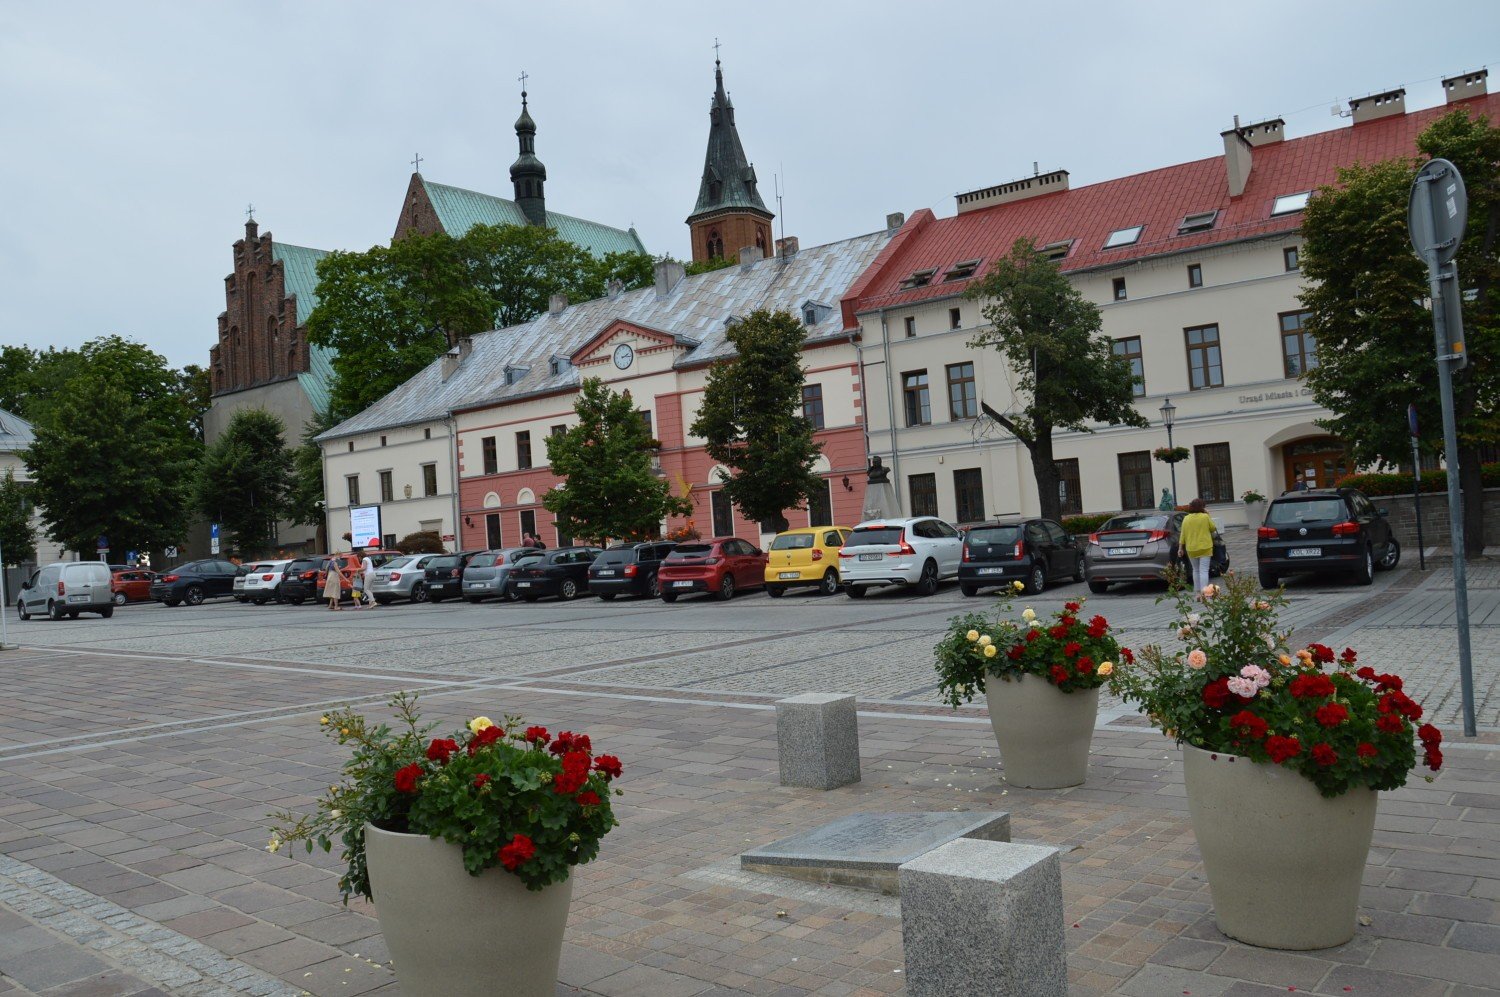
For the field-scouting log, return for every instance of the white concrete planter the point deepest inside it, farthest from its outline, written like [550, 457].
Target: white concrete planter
[455, 935]
[1044, 734]
[1255, 514]
[1284, 864]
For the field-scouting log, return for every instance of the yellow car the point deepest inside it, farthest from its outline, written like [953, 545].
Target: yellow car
[806, 556]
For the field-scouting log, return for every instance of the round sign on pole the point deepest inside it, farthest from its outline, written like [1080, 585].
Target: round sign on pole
[1438, 210]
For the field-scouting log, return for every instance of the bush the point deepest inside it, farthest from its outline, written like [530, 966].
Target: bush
[1081, 525]
[421, 542]
[1399, 482]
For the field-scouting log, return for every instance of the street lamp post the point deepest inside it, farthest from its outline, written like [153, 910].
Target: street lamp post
[1169, 416]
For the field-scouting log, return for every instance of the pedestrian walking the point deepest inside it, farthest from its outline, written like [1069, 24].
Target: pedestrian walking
[367, 569]
[333, 585]
[1197, 541]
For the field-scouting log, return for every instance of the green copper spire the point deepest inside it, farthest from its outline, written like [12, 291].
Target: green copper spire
[527, 173]
[728, 178]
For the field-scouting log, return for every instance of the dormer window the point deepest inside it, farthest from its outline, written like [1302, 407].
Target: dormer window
[514, 374]
[814, 312]
[962, 271]
[1056, 250]
[1124, 237]
[558, 365]
[920, 278]
[1288, 204]
[1200, 221]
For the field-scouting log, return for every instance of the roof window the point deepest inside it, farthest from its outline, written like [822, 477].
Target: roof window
[1287, 204]
[962, 271]
[1124, 237]
[920, 278]
[1200, 221]
[514, 374]
[558, 364]
[1056, 250]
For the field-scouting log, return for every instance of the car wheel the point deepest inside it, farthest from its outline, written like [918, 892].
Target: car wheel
[1098, 586]
[927, 584]
[854, 591]
[607, 596]
[193, 596]
[297, 601]
[119, 599]
[669, 597]
[569, 589]
[1365, 573]
[21, 610]
[1081, 570]
[1392, 556]
[726, 588]
[969, 590]
[653, 587]
[107, 612]
[830, 583]
[172, 603]
[1038, 580]
[775, 591]
[419, 592]
[72, 614]
[54, 611]
[1268, 579]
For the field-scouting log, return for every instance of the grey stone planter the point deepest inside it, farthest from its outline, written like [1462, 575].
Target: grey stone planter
[455, 935]
[1043, 734]
[1255, 514]
[1284, 864]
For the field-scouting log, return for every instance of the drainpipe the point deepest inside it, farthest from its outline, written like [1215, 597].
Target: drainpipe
[453, 481]
[890, 400]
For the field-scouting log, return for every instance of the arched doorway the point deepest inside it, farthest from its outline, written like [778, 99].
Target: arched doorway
[1317, 462]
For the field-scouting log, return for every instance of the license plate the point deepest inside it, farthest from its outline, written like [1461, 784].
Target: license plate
[1305, 552]
[682, 585]
[523, 585]
[790, 574]
[869, 557]
[78, 598]
[1121, 551]
[603, 572]
[992, 571]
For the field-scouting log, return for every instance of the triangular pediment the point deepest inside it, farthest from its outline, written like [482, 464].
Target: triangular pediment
[643, 338]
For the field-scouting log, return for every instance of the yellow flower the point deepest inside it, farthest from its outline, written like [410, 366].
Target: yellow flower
[1018, 586]
[480, 723]
[990, 650]
[335, 814]
[1028, 614]
[985, 641]
[344, 731]
[323, 721]
[1283, 659]
[274, 845]
[1106, 667]
[973, 635]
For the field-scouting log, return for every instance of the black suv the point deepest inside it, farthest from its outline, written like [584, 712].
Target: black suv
[195, 581]
[629, 569]
[299, 580]
[1031, 551]
[1325, 530]
[563, 572]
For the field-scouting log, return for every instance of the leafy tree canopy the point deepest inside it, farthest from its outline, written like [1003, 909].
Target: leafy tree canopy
[17, 535]
[1067, 374]
[751, 418]
[610, 490]
[244, 481]
[392, 310]
[305, 502]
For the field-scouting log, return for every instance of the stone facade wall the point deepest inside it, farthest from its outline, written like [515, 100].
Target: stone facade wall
[1401, 511]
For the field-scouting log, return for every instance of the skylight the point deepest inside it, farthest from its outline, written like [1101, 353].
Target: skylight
[1286, 204]
[1200, 221]
[920, 279]
[962, 270]
[1124, 237]
[1056, 250]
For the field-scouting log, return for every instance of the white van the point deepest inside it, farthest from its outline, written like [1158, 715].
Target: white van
[68, 588]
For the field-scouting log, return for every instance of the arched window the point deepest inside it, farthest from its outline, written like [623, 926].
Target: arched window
[760, 240]
[715, 244]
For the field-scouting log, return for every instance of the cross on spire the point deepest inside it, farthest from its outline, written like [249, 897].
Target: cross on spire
[716, 51]
[522, 80]
[249, 212]
[416, 163]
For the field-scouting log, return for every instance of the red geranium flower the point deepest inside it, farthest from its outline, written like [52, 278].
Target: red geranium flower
[1016, 652]
[1390, 723]
[1387, 683]
[1281, 748]
[406, 778]
[1098, 627]
[535, 734]
[440, 749]
[1366, 750]
[1216, 694]
[1429, 735]
[1059, 632]
[1071, 648]
[487, 736]
[1072, 607]
[1399, 702]
[1032, 635]
[567, 783]
[1331, 714]
[568, 741]
[609, 765]
[1348, 657]
[1059, 674]
[1365, 672]
[1434, 758]
[589, 798]
[1128, 655]
[520, 851]
[481, 780]
[1311, 685]
[1321, 653]
[1247, 724]
[1324, 755]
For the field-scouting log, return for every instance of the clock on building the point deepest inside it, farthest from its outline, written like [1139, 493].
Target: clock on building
[624, 355]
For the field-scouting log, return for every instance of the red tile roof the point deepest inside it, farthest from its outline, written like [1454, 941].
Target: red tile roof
[1158, 199]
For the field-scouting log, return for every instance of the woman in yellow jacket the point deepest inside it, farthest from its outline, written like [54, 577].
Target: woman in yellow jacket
[1196, 541]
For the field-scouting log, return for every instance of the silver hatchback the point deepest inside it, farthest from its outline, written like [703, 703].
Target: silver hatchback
[487, 573]
[401, 578]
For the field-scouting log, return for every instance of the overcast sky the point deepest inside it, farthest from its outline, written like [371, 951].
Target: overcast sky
[132, 135]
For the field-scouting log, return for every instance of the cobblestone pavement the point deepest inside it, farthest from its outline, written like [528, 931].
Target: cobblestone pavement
[139, 757]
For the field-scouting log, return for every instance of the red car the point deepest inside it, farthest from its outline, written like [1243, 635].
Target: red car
[722, 566]
[131, 585]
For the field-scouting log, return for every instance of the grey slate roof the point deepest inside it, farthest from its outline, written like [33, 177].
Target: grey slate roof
[695, 312]
[15, 433]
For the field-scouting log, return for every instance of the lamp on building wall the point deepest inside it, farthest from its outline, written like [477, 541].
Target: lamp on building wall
[1168, 417]
[407, 490]
[847, 487]
[468, 521]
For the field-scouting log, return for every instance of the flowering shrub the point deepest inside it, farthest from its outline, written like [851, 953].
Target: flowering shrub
[1171, 455]
[508, 795]
[1234, 686]
[1070, 652]
[687, 531]
[1251, 495]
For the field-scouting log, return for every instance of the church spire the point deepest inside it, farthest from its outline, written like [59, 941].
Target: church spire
[527, 173]
[729, 214]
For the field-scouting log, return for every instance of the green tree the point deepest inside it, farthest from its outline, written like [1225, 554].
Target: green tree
[610, 489]
[709, 265]
[751, 418]
[17, 535]
[114, 454]
[391, 311]
[16, 363]
[1366, 290]
[1067, 375]
[197, 394]
[305, 500]
[245, 480]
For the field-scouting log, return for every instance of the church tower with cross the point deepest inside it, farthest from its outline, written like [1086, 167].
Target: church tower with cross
[730, 215]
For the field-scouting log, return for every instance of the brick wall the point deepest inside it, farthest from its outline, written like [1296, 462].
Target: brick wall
[1401, 511]
[259, 339]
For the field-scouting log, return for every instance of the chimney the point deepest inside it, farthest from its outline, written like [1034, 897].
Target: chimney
[1465, 85]
[1015, 190]
[668, 274]
[787, 246]
[1378, 105]
[454, 357]
[1262, 132]
[895, 220]
[750, 255]
[556, 304]
[1236, 158]
[615, 287]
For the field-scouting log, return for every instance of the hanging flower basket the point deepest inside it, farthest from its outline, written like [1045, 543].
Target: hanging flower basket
[1170, 455]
